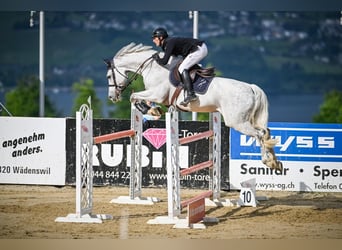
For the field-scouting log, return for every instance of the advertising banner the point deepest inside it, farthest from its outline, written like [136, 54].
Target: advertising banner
[111, 160]
[32, 150]
[311, 155]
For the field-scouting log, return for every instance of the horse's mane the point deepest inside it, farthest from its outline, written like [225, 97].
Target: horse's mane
[132, 48]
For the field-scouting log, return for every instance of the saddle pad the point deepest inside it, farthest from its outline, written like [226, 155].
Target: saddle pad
[200, 83]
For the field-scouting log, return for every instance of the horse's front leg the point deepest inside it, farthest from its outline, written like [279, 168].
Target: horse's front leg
[140, 99]
[151, 95]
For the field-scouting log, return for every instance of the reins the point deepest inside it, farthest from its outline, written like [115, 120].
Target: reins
[129, 80]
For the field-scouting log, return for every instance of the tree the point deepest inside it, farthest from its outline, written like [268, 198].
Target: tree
[331, 109]
[84, 89]
[24, 99]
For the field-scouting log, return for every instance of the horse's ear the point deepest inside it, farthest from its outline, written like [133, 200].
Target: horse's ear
[108, 62]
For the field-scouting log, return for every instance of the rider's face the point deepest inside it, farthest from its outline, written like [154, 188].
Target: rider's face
[156, 41]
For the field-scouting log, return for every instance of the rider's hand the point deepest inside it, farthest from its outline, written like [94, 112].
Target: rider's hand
[156, 57]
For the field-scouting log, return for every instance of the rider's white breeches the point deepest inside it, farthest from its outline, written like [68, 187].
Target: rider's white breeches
[193, 58]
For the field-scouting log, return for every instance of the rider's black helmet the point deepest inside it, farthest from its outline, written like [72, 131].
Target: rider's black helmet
[160, 32]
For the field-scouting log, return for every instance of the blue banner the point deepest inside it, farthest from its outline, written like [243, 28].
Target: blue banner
[296, 142]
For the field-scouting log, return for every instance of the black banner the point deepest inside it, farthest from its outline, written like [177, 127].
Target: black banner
[111, 160]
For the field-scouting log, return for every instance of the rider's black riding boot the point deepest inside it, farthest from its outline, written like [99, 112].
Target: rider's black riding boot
[191, 96]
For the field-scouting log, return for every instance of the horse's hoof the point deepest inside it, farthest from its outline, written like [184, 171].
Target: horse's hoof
[276, 165]
[279, 166]
[155, 111]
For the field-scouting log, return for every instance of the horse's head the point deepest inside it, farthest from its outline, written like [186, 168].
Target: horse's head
[117, 81]
[128, 63]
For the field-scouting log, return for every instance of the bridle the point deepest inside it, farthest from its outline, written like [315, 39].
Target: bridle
[119, 88]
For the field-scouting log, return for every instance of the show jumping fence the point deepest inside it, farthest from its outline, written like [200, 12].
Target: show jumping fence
[135, 135]
[84, 167]
[196, 205]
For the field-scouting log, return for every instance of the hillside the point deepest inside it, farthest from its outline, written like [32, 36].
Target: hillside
[282, 52]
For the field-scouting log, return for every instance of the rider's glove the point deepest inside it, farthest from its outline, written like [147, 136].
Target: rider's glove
[156, 57]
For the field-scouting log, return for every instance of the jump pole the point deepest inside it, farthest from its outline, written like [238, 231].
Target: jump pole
[135, 183]
[84, 170]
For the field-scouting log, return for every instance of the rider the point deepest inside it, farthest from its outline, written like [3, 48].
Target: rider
[192, 50]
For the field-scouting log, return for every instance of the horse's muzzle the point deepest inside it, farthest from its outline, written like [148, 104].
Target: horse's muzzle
[111, 98]
[114, 96]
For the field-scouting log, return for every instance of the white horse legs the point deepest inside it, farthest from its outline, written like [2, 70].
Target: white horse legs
[267, 152]
[268, 156]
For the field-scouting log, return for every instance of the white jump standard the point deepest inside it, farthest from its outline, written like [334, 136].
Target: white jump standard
[195, 205]
[84, 166]
[84, 170]
[135, 134]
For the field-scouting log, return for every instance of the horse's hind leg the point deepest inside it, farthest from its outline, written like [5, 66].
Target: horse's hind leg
[268, 156]
[247, 129]
[267, 152]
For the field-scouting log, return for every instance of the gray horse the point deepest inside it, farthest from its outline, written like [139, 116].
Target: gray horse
[243, 106]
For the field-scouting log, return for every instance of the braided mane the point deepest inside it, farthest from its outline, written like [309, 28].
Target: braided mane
[132, 48]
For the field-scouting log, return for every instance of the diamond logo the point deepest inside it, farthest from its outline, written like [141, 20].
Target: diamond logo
[84, 128]
[156, 136]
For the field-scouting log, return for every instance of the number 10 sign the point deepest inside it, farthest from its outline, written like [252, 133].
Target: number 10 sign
[247, 194]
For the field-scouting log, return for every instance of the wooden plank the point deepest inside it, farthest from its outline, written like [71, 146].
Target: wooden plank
[196, 198]
[196, 211]
[196, 137]
[114, 136]
[197, 167]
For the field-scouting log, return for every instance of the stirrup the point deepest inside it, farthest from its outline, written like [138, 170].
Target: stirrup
[189, 98]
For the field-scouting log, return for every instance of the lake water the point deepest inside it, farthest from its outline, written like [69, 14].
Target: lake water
[294, 108]
[282, 108]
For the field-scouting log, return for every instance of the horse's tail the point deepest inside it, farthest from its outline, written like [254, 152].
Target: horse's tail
[260, 121]
[261, 108]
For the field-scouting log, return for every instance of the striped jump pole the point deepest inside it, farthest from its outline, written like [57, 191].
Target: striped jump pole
[114, 136]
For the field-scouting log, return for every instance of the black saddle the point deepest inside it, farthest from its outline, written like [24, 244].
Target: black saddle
[201, 77]
[193, 71]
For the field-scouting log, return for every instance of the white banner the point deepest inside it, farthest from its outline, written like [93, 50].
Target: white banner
[32, 150]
